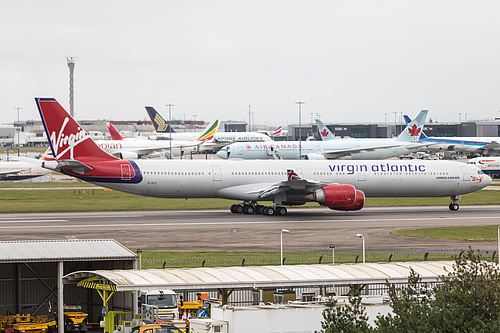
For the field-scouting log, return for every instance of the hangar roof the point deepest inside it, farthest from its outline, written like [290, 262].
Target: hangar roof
[63, 250]
[263, 276]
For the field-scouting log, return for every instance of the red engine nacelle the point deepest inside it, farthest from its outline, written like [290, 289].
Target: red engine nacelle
[360, 202]
[342, 195]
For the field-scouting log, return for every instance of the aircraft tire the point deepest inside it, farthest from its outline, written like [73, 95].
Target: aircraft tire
[248, 209]
[281, 210]
[269, 211]
[454, 206]
[259, 209]
[233, 209]
[238, 209]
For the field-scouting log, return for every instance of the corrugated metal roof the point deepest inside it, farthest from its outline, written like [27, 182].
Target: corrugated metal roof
[64, 250]
[264, 276]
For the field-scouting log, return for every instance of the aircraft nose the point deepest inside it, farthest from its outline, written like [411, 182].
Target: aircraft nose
[222, 154]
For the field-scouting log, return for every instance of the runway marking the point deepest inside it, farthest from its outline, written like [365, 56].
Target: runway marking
[31, 221]
[231, 223]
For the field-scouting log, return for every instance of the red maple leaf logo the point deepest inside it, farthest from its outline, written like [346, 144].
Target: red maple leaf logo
[324, 132]
[414, 130]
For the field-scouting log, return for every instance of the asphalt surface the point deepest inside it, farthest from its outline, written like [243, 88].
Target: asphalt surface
[310, 229]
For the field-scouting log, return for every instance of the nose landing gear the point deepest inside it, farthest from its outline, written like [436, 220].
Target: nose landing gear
[454, 205]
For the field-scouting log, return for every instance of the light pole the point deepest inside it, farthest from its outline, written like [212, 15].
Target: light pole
[282, 232]
[300, 128]
[362, 237]
[18, 129]
[332, 246]
[140, 258]
[170, 126]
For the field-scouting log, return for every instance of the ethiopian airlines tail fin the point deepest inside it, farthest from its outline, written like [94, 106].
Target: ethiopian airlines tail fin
[209, 131]
[412, 131]
[67, 138]
[159, 123]
[324, 131]
[115, 134]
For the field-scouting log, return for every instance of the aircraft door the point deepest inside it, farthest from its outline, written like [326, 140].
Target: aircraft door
[217, 175]
[126, 171]
[362, 176]
[465, 173]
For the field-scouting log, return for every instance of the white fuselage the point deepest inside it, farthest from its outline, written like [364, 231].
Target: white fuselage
[291, 150]
[219, 136]
[143, 147]
[13, 170]
[460, 144]
[489, 165]
[245, 180]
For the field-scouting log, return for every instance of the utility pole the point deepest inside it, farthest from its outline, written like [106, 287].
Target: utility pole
[18, 128]
[170, 126]
[300, 128]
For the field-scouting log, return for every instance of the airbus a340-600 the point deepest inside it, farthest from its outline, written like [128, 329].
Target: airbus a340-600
[355, 149]
[339, 185]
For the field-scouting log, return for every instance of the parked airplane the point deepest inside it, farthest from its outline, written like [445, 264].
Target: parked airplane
[352, 149]
[489, 165]
[324, 132]
[339, 185]
[164, 130]
[15, 170]
[478, 144]
[134, 148]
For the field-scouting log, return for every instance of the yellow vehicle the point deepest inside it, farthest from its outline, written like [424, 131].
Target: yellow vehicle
[74, 319]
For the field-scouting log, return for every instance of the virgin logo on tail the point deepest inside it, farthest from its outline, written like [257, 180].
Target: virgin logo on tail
[63, 142]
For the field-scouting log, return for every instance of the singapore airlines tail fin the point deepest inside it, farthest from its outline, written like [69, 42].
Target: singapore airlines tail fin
[412, 131]
[159, 123]
[324, 131]
[67, 138]
[115, 134]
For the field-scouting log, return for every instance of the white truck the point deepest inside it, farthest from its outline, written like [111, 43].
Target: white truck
[165, 300]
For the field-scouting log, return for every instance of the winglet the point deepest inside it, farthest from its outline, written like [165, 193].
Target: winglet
[115, 134]
[324, 132]
[160, 125]
[412, 132]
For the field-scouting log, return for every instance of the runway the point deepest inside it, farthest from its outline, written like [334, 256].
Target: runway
[209, 230]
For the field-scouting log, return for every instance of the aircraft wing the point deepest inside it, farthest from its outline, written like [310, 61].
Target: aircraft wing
[336, 154]
[493, 145]
[11, 172]
[292, 185]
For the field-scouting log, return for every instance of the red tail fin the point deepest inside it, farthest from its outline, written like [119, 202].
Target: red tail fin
[115, 135]
[67, 138]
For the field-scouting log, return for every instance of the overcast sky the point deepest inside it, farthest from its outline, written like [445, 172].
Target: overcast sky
[349, 61]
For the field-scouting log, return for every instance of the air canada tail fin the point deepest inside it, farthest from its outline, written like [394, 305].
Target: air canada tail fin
[159, 123]
[67, 138]
[412, 131]
[115, 134]
[209, 131]
[408, 120]
[324, 132]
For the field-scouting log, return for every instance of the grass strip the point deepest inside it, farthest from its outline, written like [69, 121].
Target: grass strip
[488, 233]
[180, 259]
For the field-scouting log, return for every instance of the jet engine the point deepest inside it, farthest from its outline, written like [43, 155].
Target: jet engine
[315, 156]
[360, 202]
[127, 155]
[339, 197]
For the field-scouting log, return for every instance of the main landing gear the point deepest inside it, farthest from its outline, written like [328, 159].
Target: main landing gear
[253, 208]
[454, 205]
